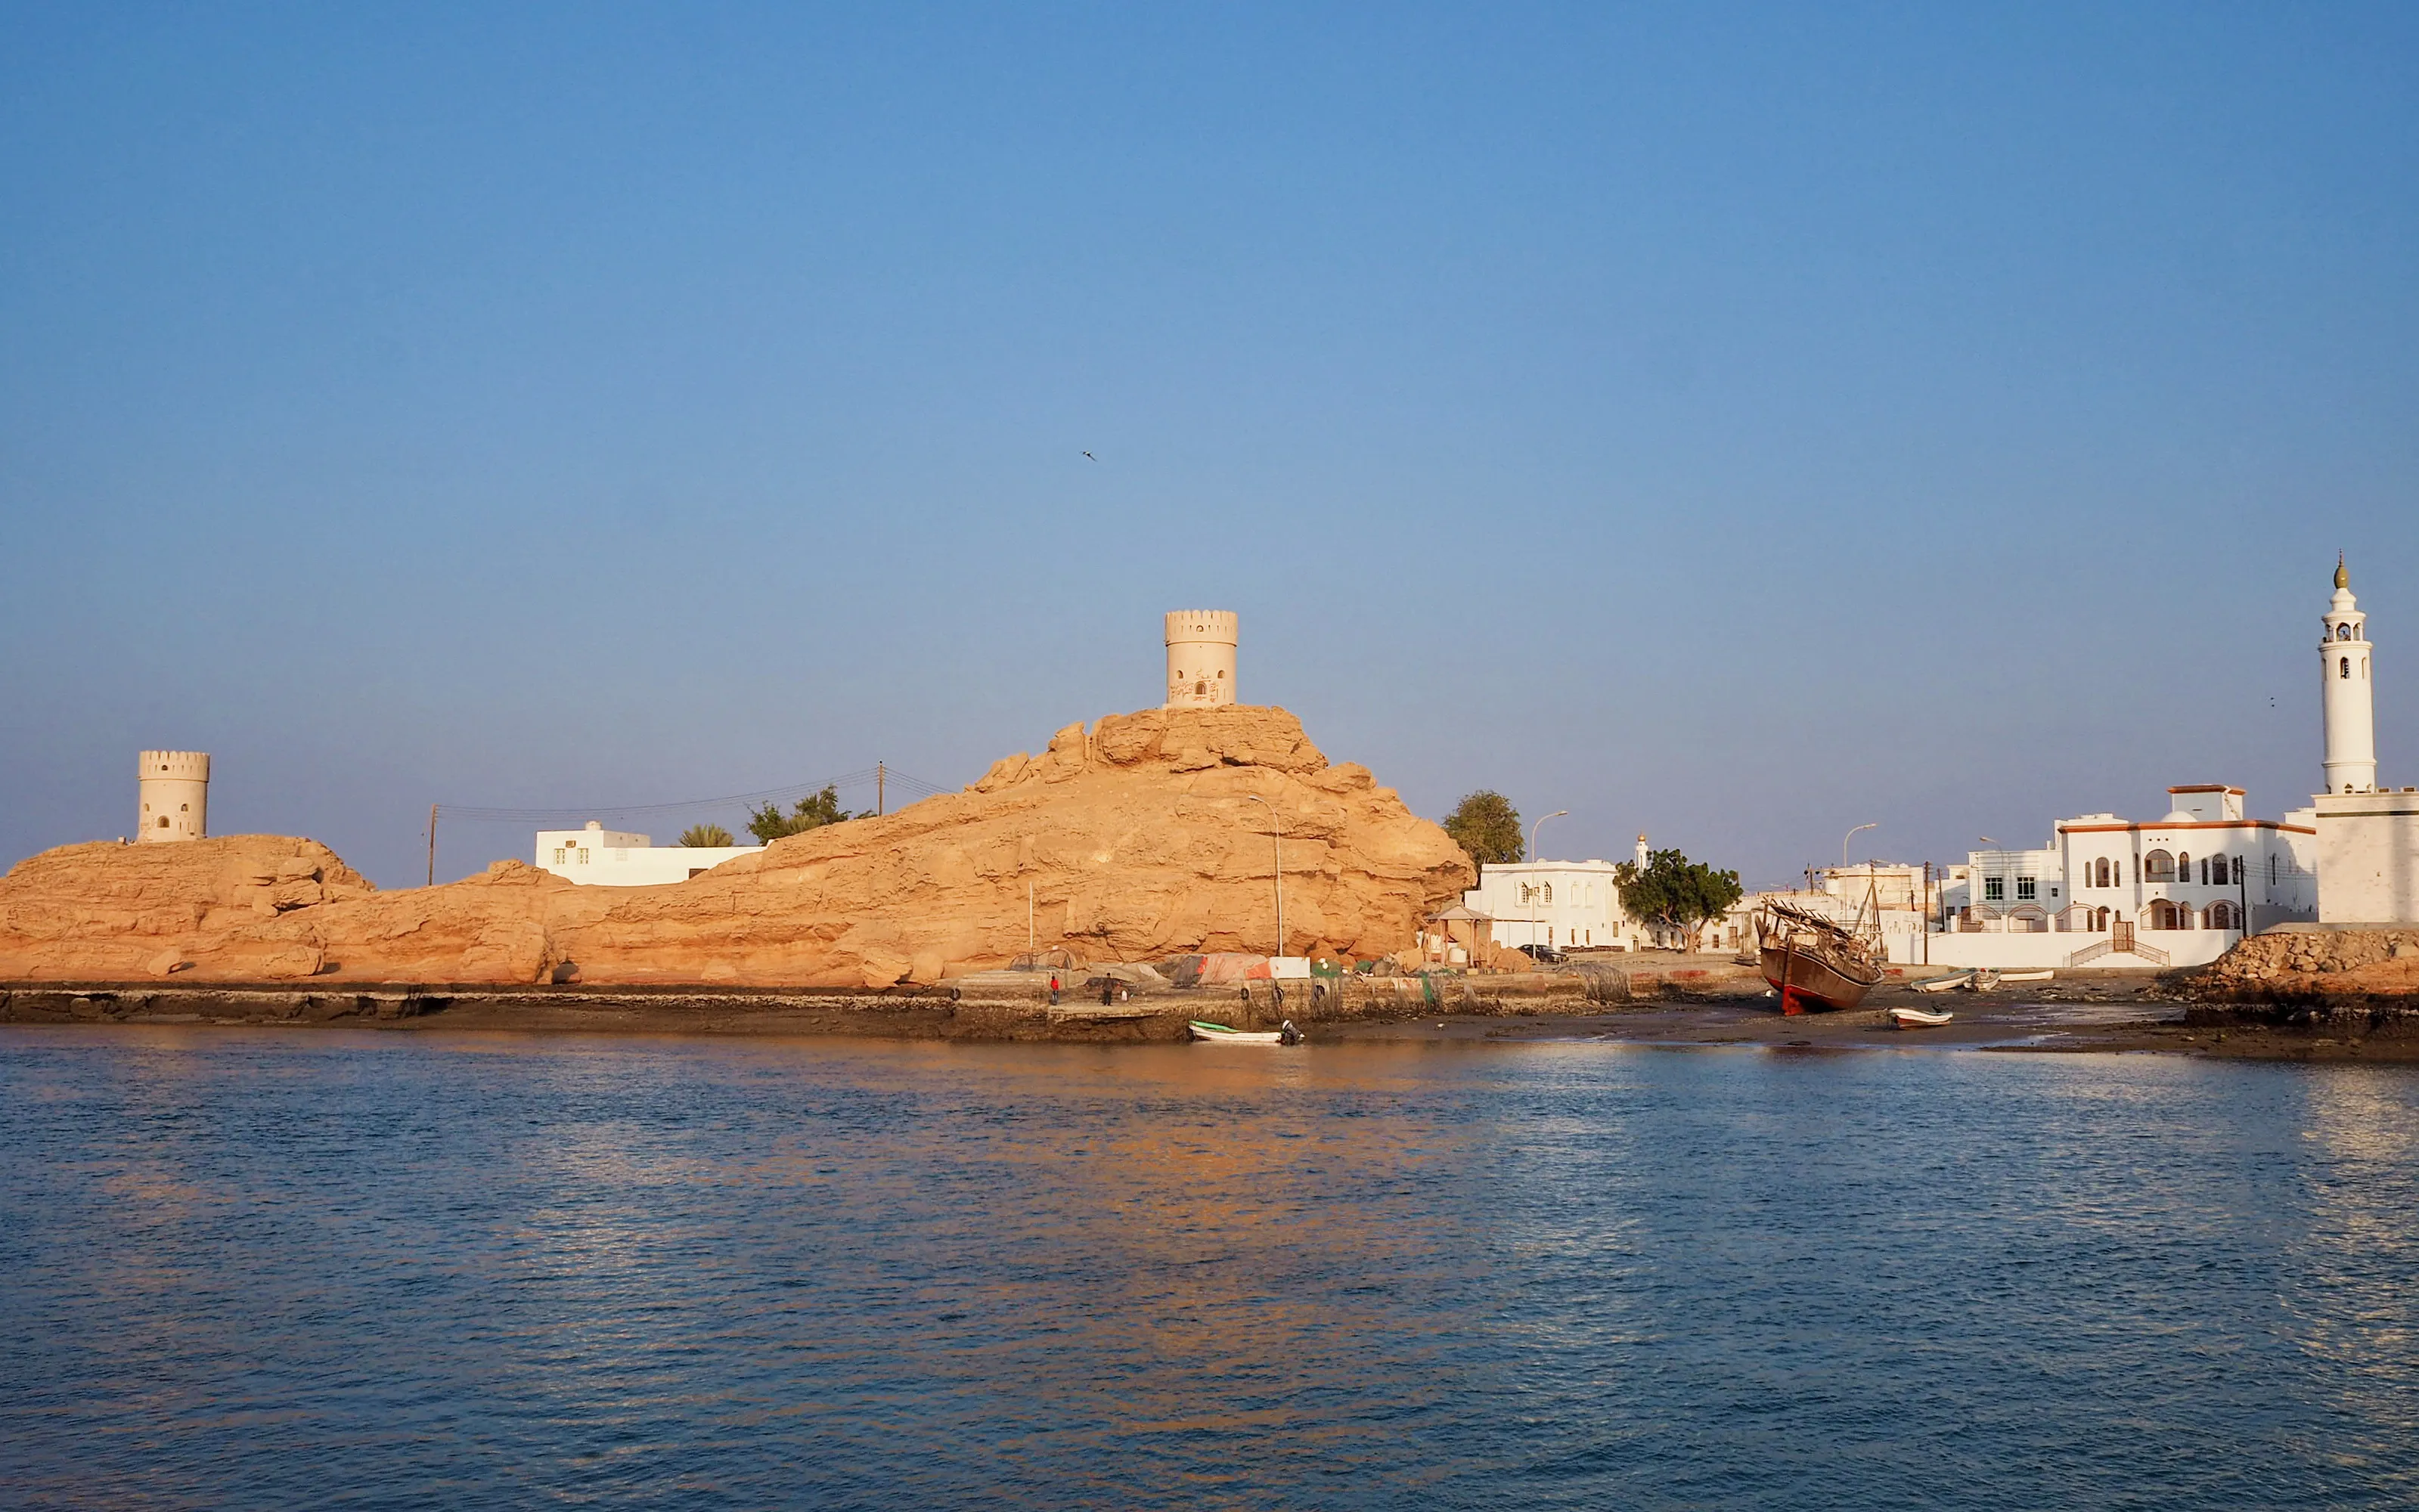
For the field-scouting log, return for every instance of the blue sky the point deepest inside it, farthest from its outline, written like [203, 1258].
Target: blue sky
[1733, 422]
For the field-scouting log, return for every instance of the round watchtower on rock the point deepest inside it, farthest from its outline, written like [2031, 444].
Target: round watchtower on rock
[1200, 658]
[174, 789]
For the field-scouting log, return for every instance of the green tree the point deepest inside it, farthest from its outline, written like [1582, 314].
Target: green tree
[708, 835]
[769, 823]
[1674, 893]
[1486, 826]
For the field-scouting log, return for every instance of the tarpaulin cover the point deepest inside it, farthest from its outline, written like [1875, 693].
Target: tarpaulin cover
[1224, 969]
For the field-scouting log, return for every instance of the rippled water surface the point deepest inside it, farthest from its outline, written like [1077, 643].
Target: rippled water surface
[251, 1270]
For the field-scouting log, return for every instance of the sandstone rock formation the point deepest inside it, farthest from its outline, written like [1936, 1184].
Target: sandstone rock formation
[1135, 839]
[2318, 963]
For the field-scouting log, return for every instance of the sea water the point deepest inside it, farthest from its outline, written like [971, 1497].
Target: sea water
[262, 1269]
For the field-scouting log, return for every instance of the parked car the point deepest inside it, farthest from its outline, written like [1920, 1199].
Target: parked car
[1542, 954]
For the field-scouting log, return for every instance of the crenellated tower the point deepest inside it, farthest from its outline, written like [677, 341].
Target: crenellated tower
[173, 789]
[1200, 658]
[2351, 763]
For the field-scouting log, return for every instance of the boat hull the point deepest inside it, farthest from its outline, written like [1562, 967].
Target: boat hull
[1917, 1018]
[1809, 981]
[1220, 1034]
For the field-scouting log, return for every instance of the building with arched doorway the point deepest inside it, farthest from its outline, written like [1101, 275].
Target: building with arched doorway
[2175, 891]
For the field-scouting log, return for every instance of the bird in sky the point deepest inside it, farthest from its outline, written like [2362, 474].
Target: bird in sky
[1089, 455]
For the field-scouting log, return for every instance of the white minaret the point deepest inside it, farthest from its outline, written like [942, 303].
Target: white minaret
[1200, 658]
[174, 789]
[1642, 852]
[2351, 762]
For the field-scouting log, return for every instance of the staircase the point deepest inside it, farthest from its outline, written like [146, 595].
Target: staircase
[2124, 945]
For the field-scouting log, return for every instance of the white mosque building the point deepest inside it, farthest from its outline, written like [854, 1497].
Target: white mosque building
[2182, 890]
[2368, 835]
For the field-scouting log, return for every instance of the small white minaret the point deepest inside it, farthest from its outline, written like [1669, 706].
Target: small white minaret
[1200, 658]
[1642, 852]
[2350, 761]
[173, 789]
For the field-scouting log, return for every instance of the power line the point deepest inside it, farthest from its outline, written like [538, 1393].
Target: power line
[771, 794]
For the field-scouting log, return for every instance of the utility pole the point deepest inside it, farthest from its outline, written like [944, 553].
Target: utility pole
[432, 845]
[1276, 836]
[881, 779]
[1559, 813]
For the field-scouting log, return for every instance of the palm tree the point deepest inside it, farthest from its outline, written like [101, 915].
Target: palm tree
[709, 835]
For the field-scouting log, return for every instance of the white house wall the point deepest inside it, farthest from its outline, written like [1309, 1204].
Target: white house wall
[2369, 858]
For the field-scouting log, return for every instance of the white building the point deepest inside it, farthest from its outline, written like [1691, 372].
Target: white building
[2178, 890]
[2368, 835]
[1567, 905]
[613, 858]
[1576, 905]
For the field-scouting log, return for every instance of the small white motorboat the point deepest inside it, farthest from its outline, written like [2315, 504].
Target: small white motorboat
[1941, 984]
[1226, 1034]
[1917, 1018]
[2038, 975]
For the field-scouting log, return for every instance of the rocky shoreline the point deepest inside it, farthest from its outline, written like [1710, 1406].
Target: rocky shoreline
[1665, 1004]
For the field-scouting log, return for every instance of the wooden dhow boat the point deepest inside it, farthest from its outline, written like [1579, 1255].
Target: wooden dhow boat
[1816, 963]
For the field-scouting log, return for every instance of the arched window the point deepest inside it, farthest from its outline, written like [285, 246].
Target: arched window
[2183, 866]
[2221, 915]
[163, 821]
[2343, 632]
[2271, 871]
[2343, 666]
[2099, 872]
[2164, 915]
[2158, 867]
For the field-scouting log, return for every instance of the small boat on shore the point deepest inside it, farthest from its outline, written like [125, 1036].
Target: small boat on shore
[1813, 962]
[1941, 984]
[1917, 1018]
[1209, 1033]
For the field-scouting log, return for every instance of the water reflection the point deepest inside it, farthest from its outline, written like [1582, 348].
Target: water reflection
[264, 1269]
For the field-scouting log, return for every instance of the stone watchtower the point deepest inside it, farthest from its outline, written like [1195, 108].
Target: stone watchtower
[1200, 658]
[174, 788]
[2351, 762]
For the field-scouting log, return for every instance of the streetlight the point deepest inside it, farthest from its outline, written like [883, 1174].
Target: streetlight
[1558, 814]
[1851, 835]
[1276, 836]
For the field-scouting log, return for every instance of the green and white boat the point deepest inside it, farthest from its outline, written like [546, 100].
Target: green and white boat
[1209, 1033]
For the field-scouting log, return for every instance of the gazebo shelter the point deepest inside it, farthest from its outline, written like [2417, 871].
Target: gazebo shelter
[1453, 935]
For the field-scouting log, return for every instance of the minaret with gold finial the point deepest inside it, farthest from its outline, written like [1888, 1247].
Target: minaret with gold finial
[2351, 763]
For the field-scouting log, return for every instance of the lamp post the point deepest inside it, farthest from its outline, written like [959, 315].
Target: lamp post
[1276, 838]
[1558, 814]
[1851, 835]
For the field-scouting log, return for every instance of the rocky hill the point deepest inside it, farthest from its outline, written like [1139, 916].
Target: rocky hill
[1135, 839]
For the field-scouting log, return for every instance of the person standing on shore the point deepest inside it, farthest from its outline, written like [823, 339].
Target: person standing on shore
[1054, 990]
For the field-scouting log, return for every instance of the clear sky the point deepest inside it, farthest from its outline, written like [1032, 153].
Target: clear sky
[1733, 422]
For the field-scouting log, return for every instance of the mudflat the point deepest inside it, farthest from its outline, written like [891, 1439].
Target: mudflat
[2079, 1012]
